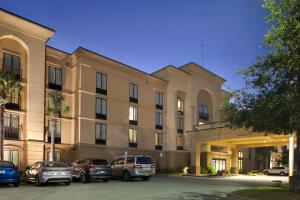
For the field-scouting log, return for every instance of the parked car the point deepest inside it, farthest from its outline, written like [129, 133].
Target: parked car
[91, 169]
[138, 166]
[277, 171]
[9, 173]
[48, 172]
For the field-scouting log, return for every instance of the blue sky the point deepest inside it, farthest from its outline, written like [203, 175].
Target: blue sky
[150, 34]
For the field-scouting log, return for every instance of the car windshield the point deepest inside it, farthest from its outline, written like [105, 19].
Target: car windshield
[6, 164]
[53, 164]
[99, 162]
[143, 160]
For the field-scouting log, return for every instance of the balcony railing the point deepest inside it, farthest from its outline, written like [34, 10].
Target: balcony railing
[16, 72]
[203, 116]
[11, 133]
[57, 140]
[133, 122]
[158, 126]
[158, 147]
[13, 106]
[133, 100]
[100, 141]
[101, 116]
[101, 91]
[131, 144]
[54, 86]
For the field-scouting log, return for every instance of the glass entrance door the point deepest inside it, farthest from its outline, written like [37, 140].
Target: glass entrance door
[219, 164]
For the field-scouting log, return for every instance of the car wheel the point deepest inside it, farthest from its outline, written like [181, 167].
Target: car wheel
[105, 179]
[83, 178]
[127, 176]
[145, 178]
[37, 181]
[17, 184]
[26, 180]
[282, 173]
[68, 183]
[266, 173]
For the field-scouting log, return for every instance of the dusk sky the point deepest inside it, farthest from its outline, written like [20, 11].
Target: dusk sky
[152, 34]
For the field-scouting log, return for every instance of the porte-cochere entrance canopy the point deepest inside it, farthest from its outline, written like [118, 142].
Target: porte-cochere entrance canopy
[218, 145]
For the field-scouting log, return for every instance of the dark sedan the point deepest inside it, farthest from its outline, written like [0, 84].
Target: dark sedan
[91, 169]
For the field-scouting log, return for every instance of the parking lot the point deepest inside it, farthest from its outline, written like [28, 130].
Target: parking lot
[159, 187]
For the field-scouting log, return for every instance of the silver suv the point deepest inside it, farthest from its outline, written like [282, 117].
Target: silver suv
[128, 167]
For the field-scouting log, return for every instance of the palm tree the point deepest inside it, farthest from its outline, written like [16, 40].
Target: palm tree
[8, 83]
[54, 109]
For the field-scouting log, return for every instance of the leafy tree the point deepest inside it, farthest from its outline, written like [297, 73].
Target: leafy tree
[8, 84]
[53, 111]
[270, 101]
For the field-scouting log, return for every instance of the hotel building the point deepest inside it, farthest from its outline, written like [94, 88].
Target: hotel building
[114, 108]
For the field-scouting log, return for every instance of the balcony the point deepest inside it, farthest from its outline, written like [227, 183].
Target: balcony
[13, 106]
[179, 148]
[159, 107]
[158, 147]
[203, 116]
[180, 131]
[133, 100]
[159, 127]
[100, 141]
[101, 116]
[57, 140]
[131, 144]
[11, 133]
[101, 91]
[54, 86]
[133, 122]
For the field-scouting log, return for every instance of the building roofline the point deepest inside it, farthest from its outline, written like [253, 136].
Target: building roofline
[214, 74]
[113, 60]
[172, 66]
[56, 49]
[28, 20]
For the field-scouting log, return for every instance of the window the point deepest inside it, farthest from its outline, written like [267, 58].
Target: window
[54, 78]
[57, 133]
[12, 156]
[180, 124]
[133, 120]
[203, 112]
[101, 110]
[158, 141]
[132, 137]
[12, 63]
[179, 142]
[133, 93]
[159, 100]
[180, 106]
[11, 126]
[159, 120]
[101, 83]
[13, 101]
[101, 130]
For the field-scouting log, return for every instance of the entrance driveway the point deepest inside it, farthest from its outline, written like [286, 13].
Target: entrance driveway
[160, 188]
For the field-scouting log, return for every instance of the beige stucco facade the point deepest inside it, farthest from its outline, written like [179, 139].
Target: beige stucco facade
[192, 97]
